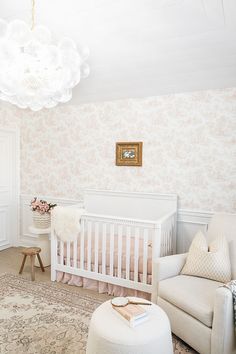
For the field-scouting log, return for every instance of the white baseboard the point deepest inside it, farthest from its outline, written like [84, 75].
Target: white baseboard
[189, 222]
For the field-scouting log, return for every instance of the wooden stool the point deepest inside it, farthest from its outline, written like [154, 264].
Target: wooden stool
[31, 252]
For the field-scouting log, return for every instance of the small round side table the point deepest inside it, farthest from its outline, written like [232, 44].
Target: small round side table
[43, 241]
[110, 334]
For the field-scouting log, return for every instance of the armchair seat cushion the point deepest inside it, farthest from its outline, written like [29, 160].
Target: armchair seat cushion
[192, 295]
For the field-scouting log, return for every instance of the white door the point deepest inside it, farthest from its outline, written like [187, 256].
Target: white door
[9, 187]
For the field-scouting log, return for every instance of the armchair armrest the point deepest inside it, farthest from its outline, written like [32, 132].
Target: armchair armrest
[169, 266]
[223, 340]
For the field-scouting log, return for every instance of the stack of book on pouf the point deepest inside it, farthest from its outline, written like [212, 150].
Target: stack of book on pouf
[130, 311]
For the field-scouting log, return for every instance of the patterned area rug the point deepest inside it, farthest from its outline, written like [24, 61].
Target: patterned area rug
[43, 318]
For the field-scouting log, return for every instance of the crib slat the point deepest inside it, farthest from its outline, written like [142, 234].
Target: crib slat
[104, 241]
[68, 253]
[169, 240]
[112, 232]
[61, 252]
[89, 245]
[119, 250]
[163, 250]
[174, 230]
[82, 244]
[128, 234]
[96, 247]
[163, 242]
[173, 243]
[136, 253]
[75, 251]
[145, 255]
[166, 240]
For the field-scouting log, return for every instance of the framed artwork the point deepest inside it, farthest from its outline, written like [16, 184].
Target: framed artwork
[129, 154]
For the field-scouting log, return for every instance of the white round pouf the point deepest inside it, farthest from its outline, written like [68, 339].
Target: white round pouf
[109, 334]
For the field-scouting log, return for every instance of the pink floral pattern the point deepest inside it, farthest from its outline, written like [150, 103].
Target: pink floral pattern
[189, 147]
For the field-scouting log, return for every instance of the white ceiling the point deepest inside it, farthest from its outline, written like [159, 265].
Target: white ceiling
[143, 47]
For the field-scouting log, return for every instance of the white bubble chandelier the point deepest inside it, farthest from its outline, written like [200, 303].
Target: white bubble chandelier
[34, 72]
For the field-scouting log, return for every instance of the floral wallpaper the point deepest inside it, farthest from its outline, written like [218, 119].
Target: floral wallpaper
[189, 147]
[9, 116]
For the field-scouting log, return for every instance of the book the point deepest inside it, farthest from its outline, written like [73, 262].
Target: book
[132, 314]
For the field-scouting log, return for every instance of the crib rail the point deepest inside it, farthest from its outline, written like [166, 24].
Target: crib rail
[115, 250]
[168, 235]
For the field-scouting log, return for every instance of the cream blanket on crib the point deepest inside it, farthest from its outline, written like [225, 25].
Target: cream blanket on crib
[66, 222]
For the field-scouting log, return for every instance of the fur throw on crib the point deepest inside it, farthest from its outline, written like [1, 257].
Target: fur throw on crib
[66, 222]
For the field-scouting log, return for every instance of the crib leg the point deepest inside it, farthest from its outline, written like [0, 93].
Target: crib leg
[53, 275]
[154, 293]
[53, 254]
[154, 297]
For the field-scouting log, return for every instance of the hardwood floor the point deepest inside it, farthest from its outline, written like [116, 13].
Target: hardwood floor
[10, 262]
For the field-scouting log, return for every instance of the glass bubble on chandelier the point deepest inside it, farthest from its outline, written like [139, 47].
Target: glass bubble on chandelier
[34, 72]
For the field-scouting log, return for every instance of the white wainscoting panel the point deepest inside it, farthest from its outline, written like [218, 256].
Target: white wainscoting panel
[26, 238]
[9, 187]
[4, 226]
[189, 222]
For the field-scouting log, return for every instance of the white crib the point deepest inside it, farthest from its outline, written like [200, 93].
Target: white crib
[122, 234]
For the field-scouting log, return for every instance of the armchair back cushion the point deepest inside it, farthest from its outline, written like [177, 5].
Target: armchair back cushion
[225, 224]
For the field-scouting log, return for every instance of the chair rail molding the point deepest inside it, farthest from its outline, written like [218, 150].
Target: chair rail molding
[188, 221]
[166, 196]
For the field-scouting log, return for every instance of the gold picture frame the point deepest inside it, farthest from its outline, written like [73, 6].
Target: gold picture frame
[129, 153]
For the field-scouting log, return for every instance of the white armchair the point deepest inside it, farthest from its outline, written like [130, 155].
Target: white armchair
[200, 310]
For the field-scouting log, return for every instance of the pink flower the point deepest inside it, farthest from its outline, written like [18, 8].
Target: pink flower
[41, 206]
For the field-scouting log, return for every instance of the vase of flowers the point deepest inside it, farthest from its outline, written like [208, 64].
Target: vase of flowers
[41, 213]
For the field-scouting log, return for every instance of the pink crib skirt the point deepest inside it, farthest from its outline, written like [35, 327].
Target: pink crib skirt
[101, 287]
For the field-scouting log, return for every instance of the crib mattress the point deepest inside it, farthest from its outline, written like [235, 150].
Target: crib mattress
[115, 254]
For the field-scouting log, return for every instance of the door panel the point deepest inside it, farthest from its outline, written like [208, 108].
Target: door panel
[4, 226]
[8, 188]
